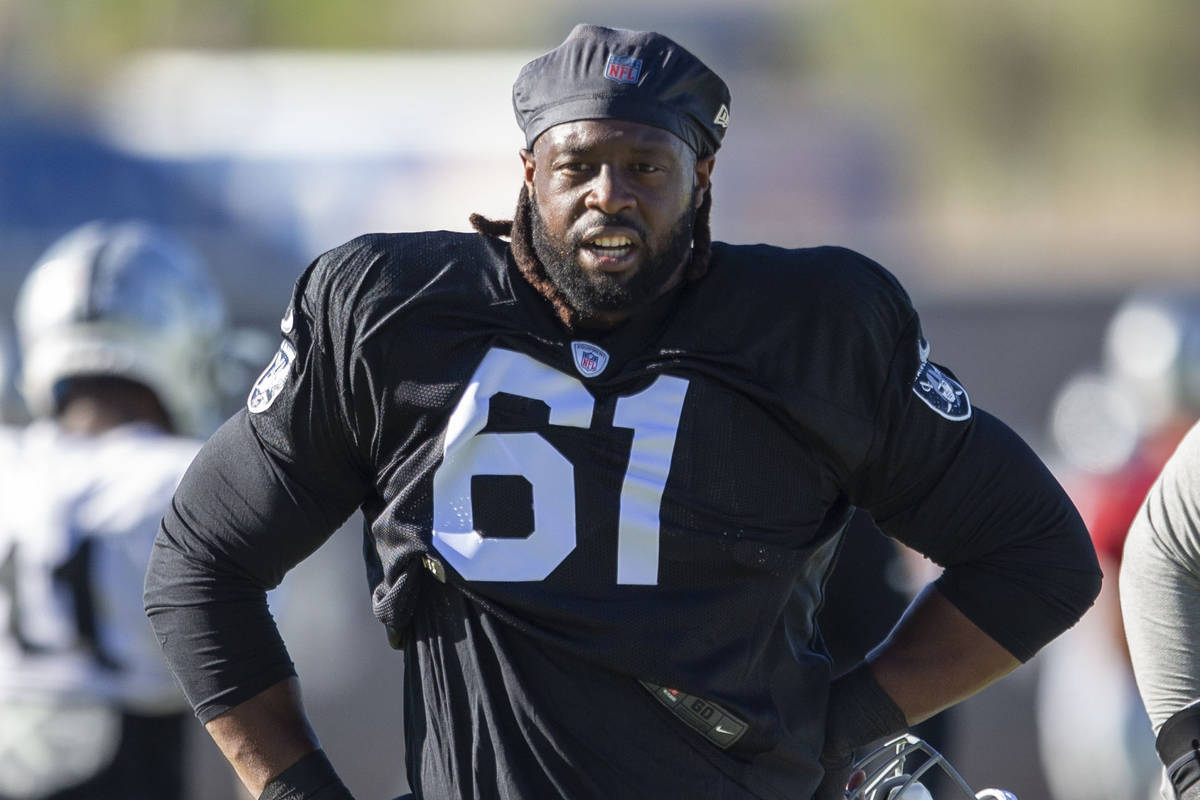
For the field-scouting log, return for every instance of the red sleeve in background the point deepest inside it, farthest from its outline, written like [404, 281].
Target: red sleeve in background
[1119, 496]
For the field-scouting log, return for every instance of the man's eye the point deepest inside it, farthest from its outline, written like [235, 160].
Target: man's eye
[574, 167]
[646, 168]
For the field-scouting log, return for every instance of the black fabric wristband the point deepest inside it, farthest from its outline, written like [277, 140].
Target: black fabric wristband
[310, 778]
[859, 712]
[1184, 776]
[1178, 746]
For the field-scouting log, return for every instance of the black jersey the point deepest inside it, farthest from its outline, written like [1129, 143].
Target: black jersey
[603, 552]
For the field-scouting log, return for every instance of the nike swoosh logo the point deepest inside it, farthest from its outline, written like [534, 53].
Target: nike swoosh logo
[724, 731]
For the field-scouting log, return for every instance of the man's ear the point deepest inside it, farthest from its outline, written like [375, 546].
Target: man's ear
[704, 170]
[529, 165]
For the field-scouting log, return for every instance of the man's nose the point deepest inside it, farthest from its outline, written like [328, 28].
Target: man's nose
[609, 192]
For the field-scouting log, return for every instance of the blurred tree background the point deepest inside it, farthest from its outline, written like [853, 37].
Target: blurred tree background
[1023, 125]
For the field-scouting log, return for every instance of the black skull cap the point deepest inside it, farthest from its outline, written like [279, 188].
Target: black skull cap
[636, 76]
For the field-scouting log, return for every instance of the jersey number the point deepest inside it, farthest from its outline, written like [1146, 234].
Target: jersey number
[653, 414]
[74, 576]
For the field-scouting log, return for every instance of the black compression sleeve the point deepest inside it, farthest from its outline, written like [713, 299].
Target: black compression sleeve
[310, 778]
[235, 526]
[1019, 561]
[217, 635]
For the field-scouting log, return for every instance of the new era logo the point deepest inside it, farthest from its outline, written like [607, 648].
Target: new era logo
[623, 69]
[722, 117]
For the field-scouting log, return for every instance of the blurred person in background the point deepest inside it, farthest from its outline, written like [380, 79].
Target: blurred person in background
[1160, 602]
[12, 407]
[118, 325]
[1116, 429]
[605, 465]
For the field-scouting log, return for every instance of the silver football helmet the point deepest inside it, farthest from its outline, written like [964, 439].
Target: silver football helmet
[128, 300]
[894, 771]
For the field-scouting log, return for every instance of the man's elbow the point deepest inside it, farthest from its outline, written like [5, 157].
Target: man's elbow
[1077, 576]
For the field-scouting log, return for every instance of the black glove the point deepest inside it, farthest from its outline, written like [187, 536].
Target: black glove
[310, 778]
[1178, 745]
[837, 772]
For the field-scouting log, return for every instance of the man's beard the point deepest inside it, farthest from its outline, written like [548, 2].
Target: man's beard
[590, 293]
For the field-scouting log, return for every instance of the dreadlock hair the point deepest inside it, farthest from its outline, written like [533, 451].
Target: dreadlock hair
[520, 231]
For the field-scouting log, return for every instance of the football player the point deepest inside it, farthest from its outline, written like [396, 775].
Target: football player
[605, 463]
[116, 325]
[1160, 604]
[1117, 427]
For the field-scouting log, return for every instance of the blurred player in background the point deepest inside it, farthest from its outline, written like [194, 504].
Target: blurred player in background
[1115, 429]
[12, 407]
[605, 464]
[118, 326]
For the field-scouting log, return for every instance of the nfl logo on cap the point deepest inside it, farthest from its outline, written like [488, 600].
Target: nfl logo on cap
[623, 69]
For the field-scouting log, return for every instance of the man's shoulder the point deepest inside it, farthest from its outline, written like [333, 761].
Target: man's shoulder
[828, 267]
[816, 283]
[1179, 483]
[401, 266]
[408, 247]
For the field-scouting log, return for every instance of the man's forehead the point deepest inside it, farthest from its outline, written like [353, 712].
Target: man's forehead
[588, 133]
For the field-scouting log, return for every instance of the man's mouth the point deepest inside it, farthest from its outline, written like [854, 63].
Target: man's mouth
[610, 246]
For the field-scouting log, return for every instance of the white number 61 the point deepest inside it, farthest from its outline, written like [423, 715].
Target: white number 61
[653, 414]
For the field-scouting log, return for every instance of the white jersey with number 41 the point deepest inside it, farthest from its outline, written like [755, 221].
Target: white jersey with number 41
[78, 517]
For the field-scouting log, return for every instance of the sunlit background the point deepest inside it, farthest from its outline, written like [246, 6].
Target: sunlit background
[1026, 168]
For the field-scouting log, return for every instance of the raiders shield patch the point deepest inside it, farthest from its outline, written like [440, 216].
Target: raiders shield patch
[269, 384]
[941, 393]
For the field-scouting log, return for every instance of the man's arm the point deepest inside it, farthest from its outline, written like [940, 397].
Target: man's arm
[1019, 570]
[1160, 603]
[269, 743]
[936, 657]
[1160, 586]
[264, 735]
[234, 527]
[265, 491]
[957, 485]
[933, 658]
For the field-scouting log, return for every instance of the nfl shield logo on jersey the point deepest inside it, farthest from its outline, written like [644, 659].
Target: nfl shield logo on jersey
[590, 360]
[267, 387]
[941, 392]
